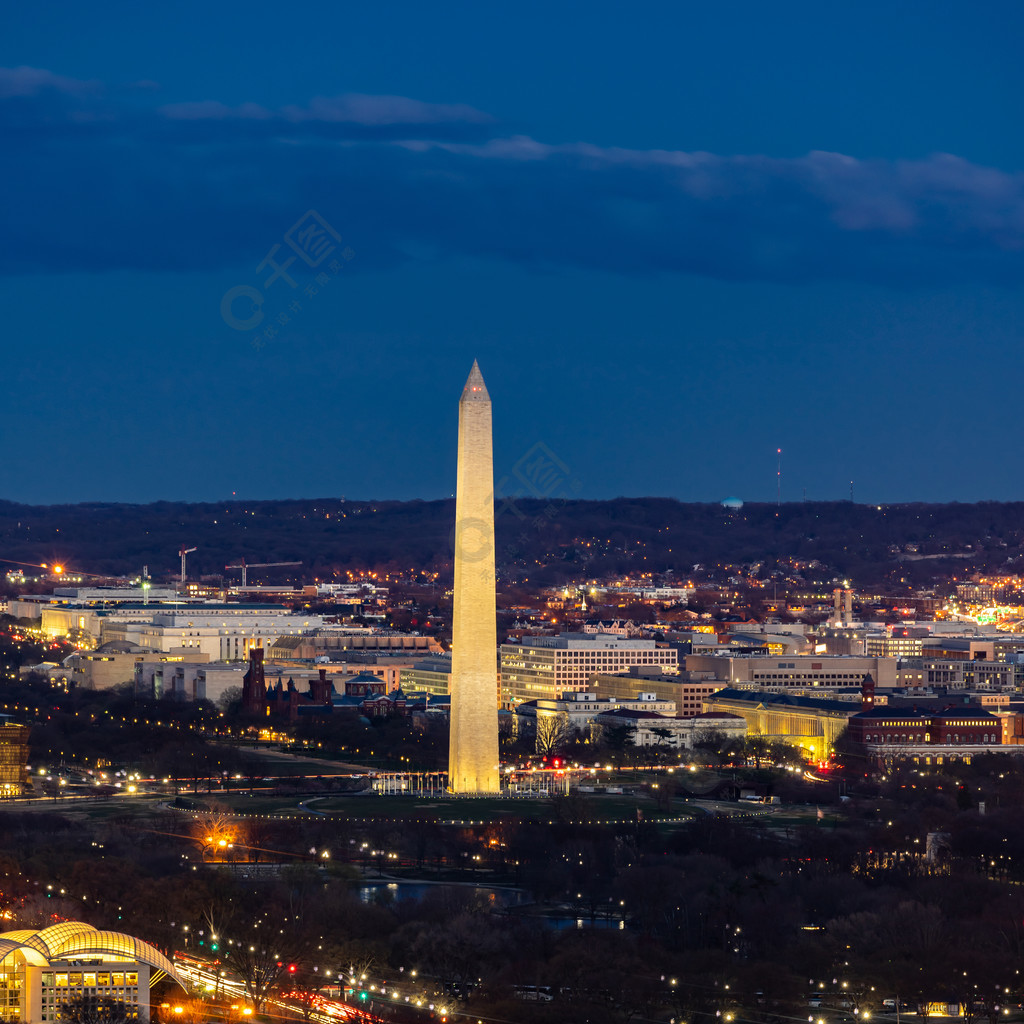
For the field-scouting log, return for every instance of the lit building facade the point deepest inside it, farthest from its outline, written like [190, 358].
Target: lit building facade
[688, 695]
[222, 633]
[431, 675]
[13, 757]
[952, 726]
[958, 674]
[811, 723]
[881, 645]
[545, 667]
[40, 971]
[795, 671]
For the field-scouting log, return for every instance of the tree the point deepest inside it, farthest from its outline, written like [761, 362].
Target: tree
[230, 700]
[260, 959]
[218, 834]
[618, 738]
[97, 1010]
[664, 737]
[757, 750]
[552, 732]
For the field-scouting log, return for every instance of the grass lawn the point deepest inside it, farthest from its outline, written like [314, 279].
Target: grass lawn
[597, 809]
[92, 810]
[242, 803]
[277, 763]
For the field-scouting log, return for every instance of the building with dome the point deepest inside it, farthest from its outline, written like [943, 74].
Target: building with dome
[42, 970]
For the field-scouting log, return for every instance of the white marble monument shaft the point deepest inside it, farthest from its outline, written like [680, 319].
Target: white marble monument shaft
[473, 750]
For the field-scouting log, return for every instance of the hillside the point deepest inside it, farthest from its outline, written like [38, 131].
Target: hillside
[543, 541]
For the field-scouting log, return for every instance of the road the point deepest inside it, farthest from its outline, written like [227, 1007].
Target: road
[210, 978]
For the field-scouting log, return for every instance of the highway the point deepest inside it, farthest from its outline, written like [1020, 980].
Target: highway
[213, 980]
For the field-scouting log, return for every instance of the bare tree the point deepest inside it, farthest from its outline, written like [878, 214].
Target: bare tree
[259, 965]
[552, 732]
[97, 1010]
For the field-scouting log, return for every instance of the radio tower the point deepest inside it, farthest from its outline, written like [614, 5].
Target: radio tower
[778, 479]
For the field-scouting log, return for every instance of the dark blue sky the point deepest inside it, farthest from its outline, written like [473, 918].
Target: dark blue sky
[676, 236]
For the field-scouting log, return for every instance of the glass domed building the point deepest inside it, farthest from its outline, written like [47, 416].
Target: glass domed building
[42, 970]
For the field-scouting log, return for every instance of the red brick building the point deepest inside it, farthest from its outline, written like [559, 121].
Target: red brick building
[364, 694]
[956, 726]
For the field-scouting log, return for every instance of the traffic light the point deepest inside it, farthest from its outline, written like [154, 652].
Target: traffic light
[292, 968]
[362, 996]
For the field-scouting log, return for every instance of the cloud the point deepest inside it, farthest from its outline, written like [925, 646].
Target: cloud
[204, 185]
[351, 108]
[26, 81]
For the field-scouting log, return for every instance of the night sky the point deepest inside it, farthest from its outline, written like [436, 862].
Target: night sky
[676, 236]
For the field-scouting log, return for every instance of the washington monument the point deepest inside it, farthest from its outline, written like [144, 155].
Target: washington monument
[473, 749]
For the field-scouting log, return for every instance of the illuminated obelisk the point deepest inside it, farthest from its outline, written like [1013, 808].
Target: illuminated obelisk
[473, 749]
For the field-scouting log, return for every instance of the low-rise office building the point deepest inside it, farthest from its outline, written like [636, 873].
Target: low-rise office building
[577, 709]
[688, 694]
[116, 662]
[958, 673]
[548, 666]
[881, 645]
[431, 675]
[795, 671]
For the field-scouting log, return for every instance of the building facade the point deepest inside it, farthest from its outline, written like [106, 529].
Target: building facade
[431, 675]
[688, 695]
[651, 729]
[957, 726]
[810, 723]
[41, 971]
[795, 671]
[545, 667]
[13, 757]
[881, 645]
[223, 633]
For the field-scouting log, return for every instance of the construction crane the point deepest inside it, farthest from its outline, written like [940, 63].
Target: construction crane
[255, 565]
[183, 552]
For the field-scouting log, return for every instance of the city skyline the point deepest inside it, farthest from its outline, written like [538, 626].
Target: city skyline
[798, 229]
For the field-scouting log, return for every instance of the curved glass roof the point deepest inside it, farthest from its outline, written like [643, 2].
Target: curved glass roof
[75, 938]
[58, 933]
[117, 944]
[30, 953]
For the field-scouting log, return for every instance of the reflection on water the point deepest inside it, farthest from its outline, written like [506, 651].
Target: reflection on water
[498, 899]
[388, 892]
[561, 923]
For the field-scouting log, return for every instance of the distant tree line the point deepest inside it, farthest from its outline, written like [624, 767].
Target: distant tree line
[544, 540]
